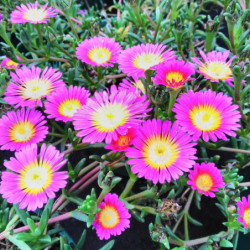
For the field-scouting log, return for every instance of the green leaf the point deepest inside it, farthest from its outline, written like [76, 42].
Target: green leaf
[127, 204]
[108, 246]
[45, 239]
[226, 243]
[172, 235]
[79, 216]
[197, 200]
[25, 236]
[20, 244]
[44, 220]
[79, 165]
[193, 221]
[203, 247]
[90, 220]
[21, 213]
[165, 243]
[31, 224]
[81, 241]
[49, 205]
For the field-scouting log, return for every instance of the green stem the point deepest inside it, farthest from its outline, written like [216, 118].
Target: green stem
[186, 233]
[128, 187]
[157, 29]
[58, 142]
[102, 195]
[57, 135]
[73, 29]
[214, 86]
[173, 94]
[234, 150]
[149, 210]
[38, 28]
[63, 50]
[143, 194]
[165, 35]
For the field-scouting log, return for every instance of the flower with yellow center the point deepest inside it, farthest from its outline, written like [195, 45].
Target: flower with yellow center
[206, 179]
[215, 66]
[32, 177]
[69, 107]
[113, 218]
[22, 132]
[99, 55]
[244, 211]
[9, 64]
[32, 13]
[146, 61]
[247, 217]
[207, 114]
[161, 151]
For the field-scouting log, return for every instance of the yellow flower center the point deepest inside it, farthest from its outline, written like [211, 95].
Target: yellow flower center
[35, 15]
[21, 132]
[35, 89]
[68, 108]
[160, 152]
[35, 178]
[109, 217]
[216, 70]
[174, 77]
[205, 118]
[247, 217]
[109, 117]
[11, 64]
[204, 182]
[139, 85]
[123, 140]
[146, 61]
[99, 55]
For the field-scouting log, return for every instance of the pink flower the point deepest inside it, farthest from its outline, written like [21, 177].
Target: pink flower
[123, 141]
[98, 51]
[206, 178]
[215, 67]
[64, 103]
[32, 13]
[132, 85]
[21, 128]
[9, 64]
[108, 114]
[207, 114]
[136, 60]
[29, 86]
[113, 218]
[173, 74]
[161, 151]
[33, 177]
[244, 211]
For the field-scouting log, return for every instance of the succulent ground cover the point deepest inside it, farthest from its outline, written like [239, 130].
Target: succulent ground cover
[152, 96]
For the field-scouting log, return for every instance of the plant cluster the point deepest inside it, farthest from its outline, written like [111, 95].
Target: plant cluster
[157, 89]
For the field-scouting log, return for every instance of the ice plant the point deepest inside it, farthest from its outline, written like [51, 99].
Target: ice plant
[161, 151]
[173, 74]
[9, 64]
[21, 128]
[123, 141]
[207, 115]
[244, 211]
[113, 218]
[215, 67]
[108, 114]
[64, 103]
[206, 179]
[29, 86]
[98, 51]
[32, 13]
[136, 60]
[33, 177]
[136, 84]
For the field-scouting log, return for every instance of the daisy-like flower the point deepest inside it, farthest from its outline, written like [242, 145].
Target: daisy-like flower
[64, 103]
[9, 64]
[136, 60]
[98, 51]
[21, 128]
[32, 13]
[123, 141]
[244, 211]
[132, 85]
[33, 177]
[215, 67]
[161, 151]
[174, 74]
[206, 178]
[113, 218]
[207, 114]
[108, 114]
[29, 86]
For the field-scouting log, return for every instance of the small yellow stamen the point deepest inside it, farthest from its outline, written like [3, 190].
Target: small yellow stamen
[123, 140]
[160, 152]
[247, 217]
[35, 178]
[68, 108]
[99, 55]
[205, 118]
[174, 77]
[109, 117]
[35, 15]
[216, 70]
[109, 217]
[146, 61]
[21, 132]
[11, 64]
[204, 182]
